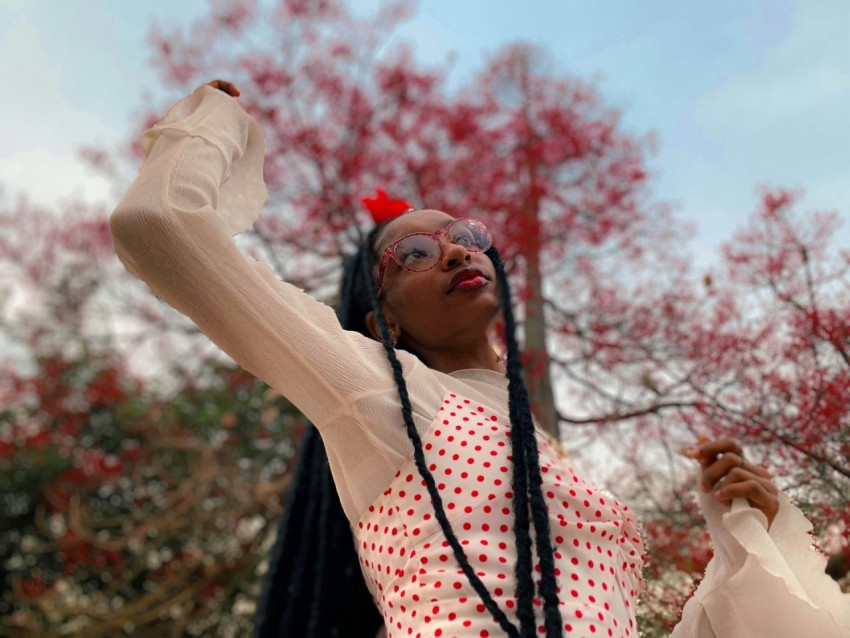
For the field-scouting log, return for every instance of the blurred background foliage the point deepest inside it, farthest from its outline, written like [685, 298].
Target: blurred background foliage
[132, 512]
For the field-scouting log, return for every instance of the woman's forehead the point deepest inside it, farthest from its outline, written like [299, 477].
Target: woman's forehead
[413, 222]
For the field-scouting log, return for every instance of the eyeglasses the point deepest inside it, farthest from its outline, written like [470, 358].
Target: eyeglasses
[418, 252]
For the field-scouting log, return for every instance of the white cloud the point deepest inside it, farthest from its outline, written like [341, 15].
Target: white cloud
[46, 177]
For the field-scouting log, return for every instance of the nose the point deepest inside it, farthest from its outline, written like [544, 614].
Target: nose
[452, 254]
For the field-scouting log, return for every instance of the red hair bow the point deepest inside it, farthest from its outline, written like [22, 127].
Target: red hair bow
[383, 208]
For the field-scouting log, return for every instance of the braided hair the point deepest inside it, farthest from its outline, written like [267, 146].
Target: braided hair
[314, 587]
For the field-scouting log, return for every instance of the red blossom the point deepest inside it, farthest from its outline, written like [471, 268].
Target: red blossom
[34, 587]
[105, 390]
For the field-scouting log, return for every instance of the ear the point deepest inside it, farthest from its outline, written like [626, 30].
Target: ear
[374, 328]
[372, 325]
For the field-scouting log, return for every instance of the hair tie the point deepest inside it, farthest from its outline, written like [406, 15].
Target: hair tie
[383, 209]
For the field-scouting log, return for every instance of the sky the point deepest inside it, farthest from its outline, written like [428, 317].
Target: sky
[739, 94]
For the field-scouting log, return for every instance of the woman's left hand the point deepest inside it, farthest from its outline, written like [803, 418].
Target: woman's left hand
[228, 87]
[727, 474]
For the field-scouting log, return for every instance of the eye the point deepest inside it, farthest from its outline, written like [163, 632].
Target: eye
[471, 234]
[413, 256]
[465, 239]
[416, 252]
[464, 236]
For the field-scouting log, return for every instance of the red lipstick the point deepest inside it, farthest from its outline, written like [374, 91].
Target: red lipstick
[468, 279]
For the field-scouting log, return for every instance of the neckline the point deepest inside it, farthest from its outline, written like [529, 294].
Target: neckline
[491, 377]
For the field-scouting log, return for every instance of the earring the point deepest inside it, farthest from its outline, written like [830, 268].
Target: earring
[395, 338]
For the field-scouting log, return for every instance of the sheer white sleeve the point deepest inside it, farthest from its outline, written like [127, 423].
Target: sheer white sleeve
[763, 583]
[201, 182]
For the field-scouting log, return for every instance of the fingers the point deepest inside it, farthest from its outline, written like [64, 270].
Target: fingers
[743, 484]
[760, 492]
[227, 87]
[709, 451]
[720, 468]
[726, 473]
[760, 471]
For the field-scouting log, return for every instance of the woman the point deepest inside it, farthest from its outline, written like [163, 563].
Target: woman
[466, 522]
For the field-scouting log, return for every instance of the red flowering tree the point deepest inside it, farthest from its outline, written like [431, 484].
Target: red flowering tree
[756, 350]
[564, 186]
[125, 512]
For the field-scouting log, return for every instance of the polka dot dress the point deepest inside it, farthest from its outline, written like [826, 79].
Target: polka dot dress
[412, 572]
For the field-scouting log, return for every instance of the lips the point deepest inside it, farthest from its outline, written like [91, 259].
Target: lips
[468, 276]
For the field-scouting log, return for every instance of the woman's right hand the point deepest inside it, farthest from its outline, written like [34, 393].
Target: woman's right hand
[224, 85]
[726, 473]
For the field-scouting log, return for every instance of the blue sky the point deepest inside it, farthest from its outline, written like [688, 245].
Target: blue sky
[740, 94]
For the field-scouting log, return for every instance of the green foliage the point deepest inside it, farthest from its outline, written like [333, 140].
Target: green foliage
[128, 512]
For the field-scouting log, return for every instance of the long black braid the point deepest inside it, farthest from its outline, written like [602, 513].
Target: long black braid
[520, 416]
[313, 566]
[314, 587]
[298, 601]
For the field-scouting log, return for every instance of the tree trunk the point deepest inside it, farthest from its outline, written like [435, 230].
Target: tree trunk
[538, 379]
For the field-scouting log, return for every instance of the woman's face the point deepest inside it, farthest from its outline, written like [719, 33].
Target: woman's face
[446, 306]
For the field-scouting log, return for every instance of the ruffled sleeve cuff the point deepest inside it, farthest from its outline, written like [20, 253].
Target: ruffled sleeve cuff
[217, 118]
[765, 583]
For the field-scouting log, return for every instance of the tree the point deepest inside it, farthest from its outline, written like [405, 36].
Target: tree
[563, 184]
[756, 350]
[127, 513]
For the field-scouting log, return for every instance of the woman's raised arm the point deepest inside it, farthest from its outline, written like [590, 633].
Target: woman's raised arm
[201, 183]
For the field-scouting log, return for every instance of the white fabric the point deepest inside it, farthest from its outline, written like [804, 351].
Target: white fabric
[201, 182]
[764, 583]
